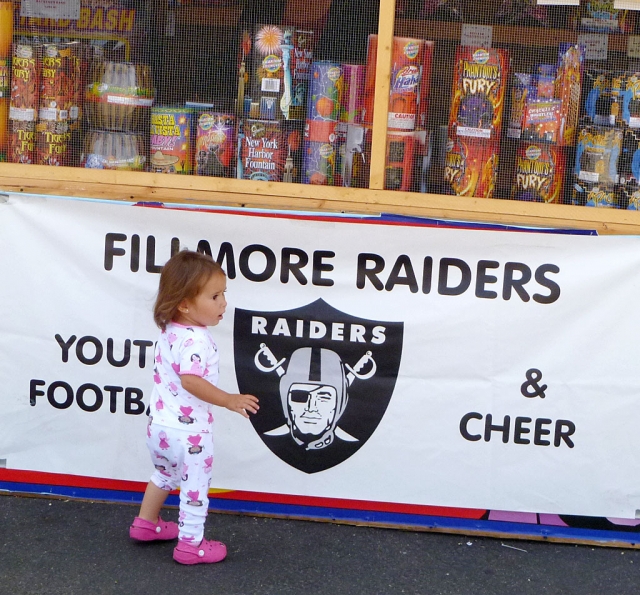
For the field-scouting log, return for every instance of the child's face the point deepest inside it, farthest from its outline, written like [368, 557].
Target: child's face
[207, 308]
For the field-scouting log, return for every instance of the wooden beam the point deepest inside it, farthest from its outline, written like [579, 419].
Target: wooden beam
[381, 101]
[196, 190]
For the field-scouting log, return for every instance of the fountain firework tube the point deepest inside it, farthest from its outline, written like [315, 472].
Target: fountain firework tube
[21, 142]
[113, 150]
[215, 140]
[351, 105]
[25, 83]
[320, 163]
[170, 146]
[408, 95]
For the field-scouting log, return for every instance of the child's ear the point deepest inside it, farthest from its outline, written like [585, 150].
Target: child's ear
[183, 307]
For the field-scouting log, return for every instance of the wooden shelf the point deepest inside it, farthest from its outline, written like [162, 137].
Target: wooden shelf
[150, 187]
[502, 35]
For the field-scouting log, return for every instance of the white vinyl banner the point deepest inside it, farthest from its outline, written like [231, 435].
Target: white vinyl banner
[466, 367]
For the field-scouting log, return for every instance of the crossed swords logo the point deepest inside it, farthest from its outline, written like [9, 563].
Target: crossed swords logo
[275, 365]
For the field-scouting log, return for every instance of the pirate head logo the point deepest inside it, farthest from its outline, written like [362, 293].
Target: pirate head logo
[324, 380]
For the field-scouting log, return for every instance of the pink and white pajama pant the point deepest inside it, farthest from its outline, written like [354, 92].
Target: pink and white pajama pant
[183, 459]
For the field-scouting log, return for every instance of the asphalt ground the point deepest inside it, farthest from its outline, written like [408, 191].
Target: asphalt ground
[70, 547]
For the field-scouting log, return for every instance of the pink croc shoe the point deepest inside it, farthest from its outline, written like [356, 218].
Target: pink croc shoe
[208, 552]
[142, 530]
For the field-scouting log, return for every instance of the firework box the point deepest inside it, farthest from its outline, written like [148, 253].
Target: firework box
[351, 106]
[568, 89]
[595, 195]
[597, 155]
[544, 80]
[604, 95]
[59, 73]
[170, 144]
[325, 92]
[52, 142]
[629, 160]
[630, 197]
[215, 144]
[269, 150]
[601, 16]
[22, 141]
[274, 67]
[542, 120]
[400, 159]
[25, 82]
[523, 89]
[631, 100]
[356, 158]
[479, 83]
[471, 167]
[411, 61]
[5, 77]
[538, 173]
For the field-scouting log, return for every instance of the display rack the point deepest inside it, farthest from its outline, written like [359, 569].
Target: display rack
[136, 186]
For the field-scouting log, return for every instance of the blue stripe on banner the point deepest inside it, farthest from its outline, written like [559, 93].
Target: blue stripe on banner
[391, 519]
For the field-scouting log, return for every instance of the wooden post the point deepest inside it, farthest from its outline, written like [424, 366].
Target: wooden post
[381, 102]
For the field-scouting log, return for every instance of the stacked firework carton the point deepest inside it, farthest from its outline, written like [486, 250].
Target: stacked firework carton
[475, 121]
[274, 72]
[408, 143]
[45, 103]
[543, 121]
[607, 165]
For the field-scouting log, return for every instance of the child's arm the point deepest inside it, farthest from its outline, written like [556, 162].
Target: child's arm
[204, 390]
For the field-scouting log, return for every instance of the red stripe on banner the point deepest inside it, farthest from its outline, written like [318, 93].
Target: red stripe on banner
[421, 509]
[80, 481]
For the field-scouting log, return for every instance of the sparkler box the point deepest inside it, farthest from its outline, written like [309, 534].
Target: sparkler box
[273, 71]
[542, 120]
[539, 172]
[471, 167]
[479, 83]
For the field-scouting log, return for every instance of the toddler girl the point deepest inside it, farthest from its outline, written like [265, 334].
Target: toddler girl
[179, 433]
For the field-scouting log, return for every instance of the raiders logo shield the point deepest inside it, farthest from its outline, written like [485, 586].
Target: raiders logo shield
[324, 379]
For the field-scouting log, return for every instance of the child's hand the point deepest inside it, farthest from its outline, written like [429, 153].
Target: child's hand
[243, 404]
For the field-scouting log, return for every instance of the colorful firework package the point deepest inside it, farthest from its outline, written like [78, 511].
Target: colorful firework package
[604, 97]
[52, 142]
[479, 83]
[22, 141]
[60, 68]
[601, 16]
[597, 155]
[630, 196]
[629, 160]
[542, 120]
[595, 195]
[351, 106]
[525, 13]
[118, 96]
[215, 145]
[545, 80]
[274, 67]
[569, 88]
[105, 149]
[170, 145]
[5, 77]
[539, 173]
[631, 100]
[25, 83]
[410, 82]
[407, 160]
[269, 150]
[523, 89]
[471, 167]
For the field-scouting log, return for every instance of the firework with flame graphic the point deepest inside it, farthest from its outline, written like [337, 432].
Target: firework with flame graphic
[471, 167]
[568, 88]
[539, 173]
[479, 84]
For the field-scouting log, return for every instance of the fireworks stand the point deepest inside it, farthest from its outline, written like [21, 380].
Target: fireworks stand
[416, 188]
